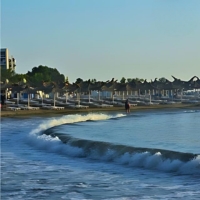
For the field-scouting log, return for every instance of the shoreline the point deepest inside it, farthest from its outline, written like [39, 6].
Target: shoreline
[67, 111]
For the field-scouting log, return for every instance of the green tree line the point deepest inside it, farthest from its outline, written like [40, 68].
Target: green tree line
[35, 77]
[46, 74]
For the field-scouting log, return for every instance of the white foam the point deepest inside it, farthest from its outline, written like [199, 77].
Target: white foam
[190, 111]
[54, 145]
[156, 161]
[72, 119]
[191, 166]
[144, 160]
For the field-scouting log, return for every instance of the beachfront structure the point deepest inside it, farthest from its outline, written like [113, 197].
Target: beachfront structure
[113, 88]
[6, 61]
[105, 94]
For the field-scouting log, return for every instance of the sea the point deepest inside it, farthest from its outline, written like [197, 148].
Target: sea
[152, 154]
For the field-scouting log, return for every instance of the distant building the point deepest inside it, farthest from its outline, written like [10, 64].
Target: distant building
[7, 62]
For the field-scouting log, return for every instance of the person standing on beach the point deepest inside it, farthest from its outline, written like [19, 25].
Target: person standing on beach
[127, 106]
[2, 99]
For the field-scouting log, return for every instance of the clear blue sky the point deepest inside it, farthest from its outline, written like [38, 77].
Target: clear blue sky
[104, 39]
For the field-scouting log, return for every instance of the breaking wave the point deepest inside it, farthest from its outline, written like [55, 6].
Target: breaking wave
[48, 138]
[69, 119]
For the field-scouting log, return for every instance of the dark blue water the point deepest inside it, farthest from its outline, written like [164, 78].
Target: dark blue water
[143, 155]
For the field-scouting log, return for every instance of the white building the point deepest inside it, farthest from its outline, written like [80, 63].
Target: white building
[7, 62]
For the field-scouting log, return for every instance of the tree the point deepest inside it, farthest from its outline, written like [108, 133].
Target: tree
[129, 80]
[17, 78]
[138, 79]
[66, 79]
[6, 74]
[163, 79]
[123, 80]
[93, 80]
[44, 73]
[79, 80]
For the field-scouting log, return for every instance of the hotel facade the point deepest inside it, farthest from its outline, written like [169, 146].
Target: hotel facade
[7, 62]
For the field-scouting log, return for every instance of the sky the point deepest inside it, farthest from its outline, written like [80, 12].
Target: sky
[104, 39]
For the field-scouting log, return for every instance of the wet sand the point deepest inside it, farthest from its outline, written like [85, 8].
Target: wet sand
[66, 111]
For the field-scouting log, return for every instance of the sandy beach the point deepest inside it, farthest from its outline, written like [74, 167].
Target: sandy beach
[42, 112]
